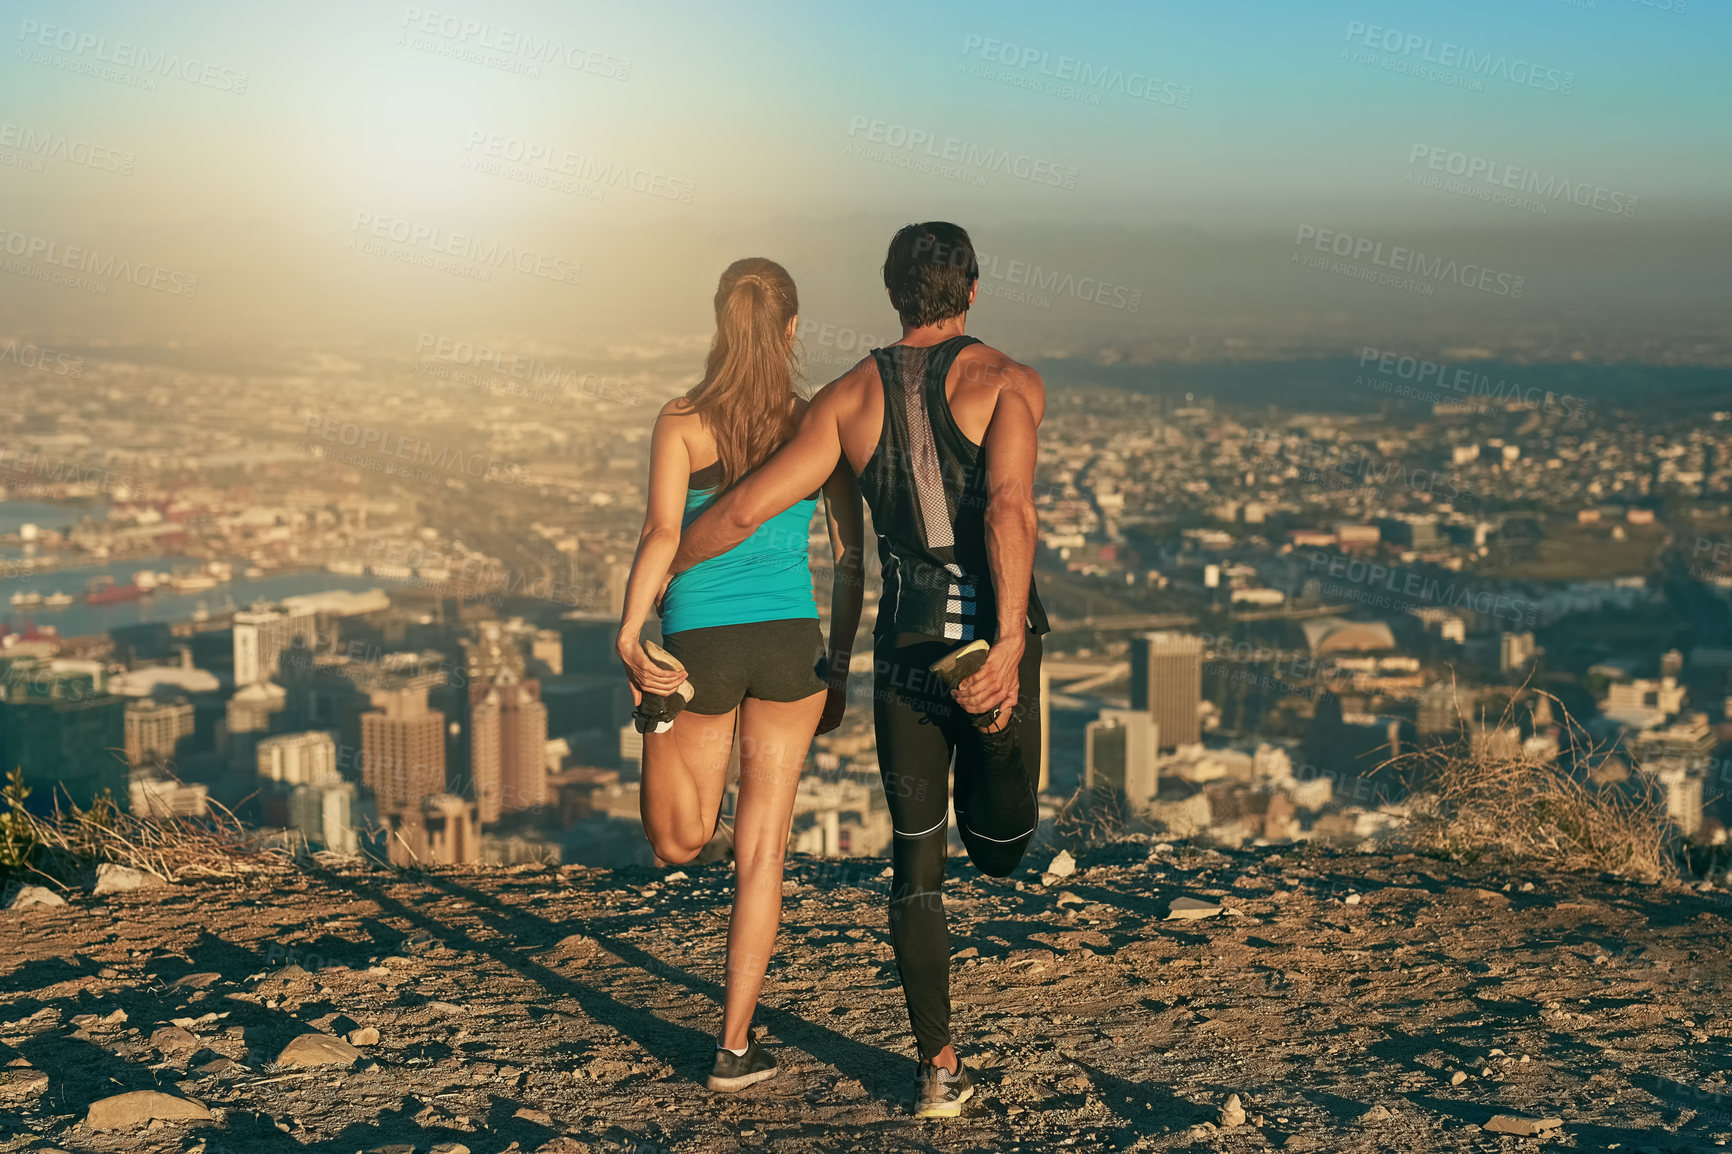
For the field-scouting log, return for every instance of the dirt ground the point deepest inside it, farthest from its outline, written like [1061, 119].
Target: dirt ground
[1339, 995]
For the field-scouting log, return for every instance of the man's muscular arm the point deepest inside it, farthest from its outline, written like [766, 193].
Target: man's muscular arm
[798, 470]
[1010, 451]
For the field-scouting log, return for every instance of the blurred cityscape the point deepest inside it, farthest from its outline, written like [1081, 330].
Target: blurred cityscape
[372, 602]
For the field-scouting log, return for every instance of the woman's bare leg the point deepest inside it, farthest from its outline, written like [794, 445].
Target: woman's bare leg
[684, 773]
[774, 736]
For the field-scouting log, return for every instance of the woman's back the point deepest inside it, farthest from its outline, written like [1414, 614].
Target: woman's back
[766, 577]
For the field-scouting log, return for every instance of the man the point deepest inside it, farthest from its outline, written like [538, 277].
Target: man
[941, 430]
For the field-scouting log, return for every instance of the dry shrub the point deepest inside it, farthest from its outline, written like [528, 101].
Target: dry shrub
[65, 846]
[1523, 808]
[1091, 818]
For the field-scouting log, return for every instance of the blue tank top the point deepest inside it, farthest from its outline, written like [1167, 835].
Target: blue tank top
[766, 577]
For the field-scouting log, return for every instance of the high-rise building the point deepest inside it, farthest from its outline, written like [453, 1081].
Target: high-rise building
[60, 725]
[1167, 682]
[442, 829]
[328, 814]
[255, 712]
[522, 745]
[1515, 652]
[587, 642]
[151, 795]
[299, 759]
[402, 748]
[485, 773]
[507, 746]
[631, 749]
[155, 729]
[1121, 750]
[262, 636]
[1045, 728]
[492, 652]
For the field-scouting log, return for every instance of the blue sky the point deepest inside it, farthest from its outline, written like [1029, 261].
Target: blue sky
[1271, 116]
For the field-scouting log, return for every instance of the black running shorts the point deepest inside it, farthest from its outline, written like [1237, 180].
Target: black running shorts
[768, 660]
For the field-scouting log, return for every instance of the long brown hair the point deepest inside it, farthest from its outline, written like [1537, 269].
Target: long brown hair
[746, 399]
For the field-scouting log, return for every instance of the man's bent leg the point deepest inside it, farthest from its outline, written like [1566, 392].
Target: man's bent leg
[914, 760]
[998, 776]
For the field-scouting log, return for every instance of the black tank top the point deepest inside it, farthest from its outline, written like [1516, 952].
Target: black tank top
[926, 487]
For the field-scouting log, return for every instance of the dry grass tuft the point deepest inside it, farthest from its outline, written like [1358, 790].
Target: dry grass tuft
[1091, 818]
[65, 846]
[1524, 808]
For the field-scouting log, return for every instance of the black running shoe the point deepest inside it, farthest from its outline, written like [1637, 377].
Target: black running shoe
[657, 712]
[734, 1072]
[958, 666]
[940, 1094]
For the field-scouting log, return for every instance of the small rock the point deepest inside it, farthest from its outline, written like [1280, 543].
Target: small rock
[1190, 909]
[449, 1148]
[1375, 1114]
[445, 1007]
[1069, 899]
[140, 1106]
[1061, 866]
[28, 896]
[1233, 1113]
[1527, 887]
[1526, 1127]
[219, 1066]
[1352, 899]
[365, 1036]
[173, 1040]
[970, 952]
[317, 1050]
[561, 1145]
[676, 876]
[114, 879]
[196, 981]
[1458, 1078]
[21, 1082]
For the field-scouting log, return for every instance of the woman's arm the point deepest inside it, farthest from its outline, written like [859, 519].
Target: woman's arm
[670, 469]
[847, 587]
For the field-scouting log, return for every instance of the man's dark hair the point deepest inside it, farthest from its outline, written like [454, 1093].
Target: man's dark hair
[929, 270]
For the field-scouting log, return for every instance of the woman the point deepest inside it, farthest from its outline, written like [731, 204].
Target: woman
[743, 650]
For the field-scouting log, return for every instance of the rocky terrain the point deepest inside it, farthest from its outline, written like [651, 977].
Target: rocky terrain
[1350, 1001]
